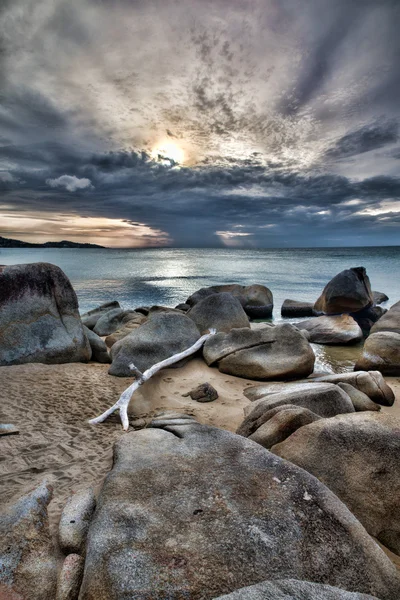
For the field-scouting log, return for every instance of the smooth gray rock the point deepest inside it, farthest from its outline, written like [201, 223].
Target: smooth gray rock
[115, 319]
[357, 457]
[75, 520]
[164, 530]
[379, 297]
[162, 336]
[257, 300]
[222, 312]
[279, 426]
[91, 317]
[99, 348]
[337, 329]
[279, 352]
[28, 567]
[381, 352]
[296, 308]
[293, 589]
[347, 292]
[39, 318]
[70, 578]
[256, 392]
[371, 383]
[323, 399]
[360, 400]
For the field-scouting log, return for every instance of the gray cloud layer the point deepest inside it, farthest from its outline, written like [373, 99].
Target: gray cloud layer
[287, 114]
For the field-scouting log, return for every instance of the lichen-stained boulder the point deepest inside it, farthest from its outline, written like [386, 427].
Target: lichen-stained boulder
[162, 529]
[347, 292]
[28, 567]
[279, 352]
[371, 383]
[222, 312]
[293, 589]
[161, 336]
[39, 318]
[91, 317]
[337, 329]
[357, 457]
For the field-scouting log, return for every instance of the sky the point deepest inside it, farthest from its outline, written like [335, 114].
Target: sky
[200, 123]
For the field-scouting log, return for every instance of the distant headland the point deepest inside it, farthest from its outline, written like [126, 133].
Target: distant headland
[8, 243]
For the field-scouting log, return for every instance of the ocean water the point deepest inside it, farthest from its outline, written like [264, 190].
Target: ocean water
[168, 276]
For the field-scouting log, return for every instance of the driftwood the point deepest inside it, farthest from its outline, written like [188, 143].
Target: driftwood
[123, 402]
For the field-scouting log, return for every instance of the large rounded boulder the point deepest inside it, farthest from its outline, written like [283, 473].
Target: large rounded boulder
[191, 511]
[90, 318]
[39, 318]
[381, 352]
[222, 312]
[349, 291]
[160, 337]
[337, 329]
[357, 457]
[257, 300]
[279, 352]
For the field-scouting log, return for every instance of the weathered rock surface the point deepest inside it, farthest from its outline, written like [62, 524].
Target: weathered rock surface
[296, 308]
[357, 457]
[257, 300]
[282, 424]
[347, 292]
[124, 331]
[203, 393]
[256, 392]
[75, 520]
[390, 321]
[293, 589]
[279, 352]
[161, 336]
[39, 318]
[99, 348]
[337, 329]
[163, 530]
[323, 399]
[379, 297]
[222, 312]
[371, 383]
[91, 317]
[28, 568]
[381, 352]
[8, 429]
[115, 319]
[70, 578]
[360, 400]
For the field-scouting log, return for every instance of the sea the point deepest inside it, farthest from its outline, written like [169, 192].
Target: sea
[167, 276]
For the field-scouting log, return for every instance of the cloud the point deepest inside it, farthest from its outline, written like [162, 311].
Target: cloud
[70, 183]
[367, 138]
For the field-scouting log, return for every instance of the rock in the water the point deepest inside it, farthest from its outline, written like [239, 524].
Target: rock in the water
[28, 568]
[323, 399]
[347, 292]
[75, 521]
[163, 530]
[279, 352]
[371, 383]
[257, 300]
[357, 457]
[381, 352]
[360, 400]
[379, 297]
[338, 329]
[115, 319]
[293, 589]
[8, 429]
[70, 578]
[282, 424]
[222, 312]
[91, 317]
[203, 393]
[296, 308]
[99, 348]
[39, 318]
[390, 321]
[162, 336]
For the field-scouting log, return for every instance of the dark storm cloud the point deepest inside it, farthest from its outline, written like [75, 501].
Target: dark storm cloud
[286, 113]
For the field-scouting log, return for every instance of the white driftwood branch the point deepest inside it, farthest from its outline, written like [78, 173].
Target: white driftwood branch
[123, 402]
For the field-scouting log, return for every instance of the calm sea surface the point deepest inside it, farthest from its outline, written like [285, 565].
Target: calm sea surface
[168, 276]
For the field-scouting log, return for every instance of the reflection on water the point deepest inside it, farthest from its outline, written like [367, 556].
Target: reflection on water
[336, 359]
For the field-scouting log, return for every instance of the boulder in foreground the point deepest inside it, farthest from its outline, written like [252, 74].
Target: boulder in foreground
[357, 457]
[279, 352]
[381, 352]
[39, 318]
[163, 530]
[371, 383]
[349, 291]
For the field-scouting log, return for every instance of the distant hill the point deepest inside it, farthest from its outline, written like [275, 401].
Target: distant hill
[7, 243]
